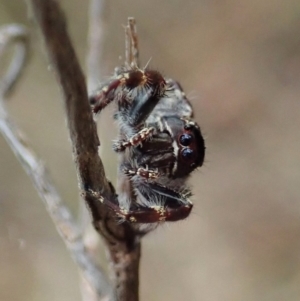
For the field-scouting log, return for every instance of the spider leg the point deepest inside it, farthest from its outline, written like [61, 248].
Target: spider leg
[127, 82]
[142, 172]
[157, 203]
[134, 140]
[101, 98]
[160, 204]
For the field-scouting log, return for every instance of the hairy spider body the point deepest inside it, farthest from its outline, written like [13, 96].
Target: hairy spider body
[159, 145]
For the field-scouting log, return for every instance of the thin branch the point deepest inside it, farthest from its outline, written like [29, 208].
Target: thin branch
[36, 170]
[13, 35]
[123, 244]
[134, 41]
[131, 44]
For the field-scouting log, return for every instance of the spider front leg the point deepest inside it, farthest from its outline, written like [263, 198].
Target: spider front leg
[134, 140]
[126, 86]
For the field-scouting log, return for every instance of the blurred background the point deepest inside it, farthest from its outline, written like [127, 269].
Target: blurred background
[239, 62]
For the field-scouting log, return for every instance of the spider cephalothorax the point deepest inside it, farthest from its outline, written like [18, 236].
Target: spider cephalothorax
[159, 145]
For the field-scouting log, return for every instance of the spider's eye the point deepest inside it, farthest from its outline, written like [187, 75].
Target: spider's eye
[185, 139]
[188, 154]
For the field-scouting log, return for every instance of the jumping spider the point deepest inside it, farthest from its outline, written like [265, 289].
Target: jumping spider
[159, 145]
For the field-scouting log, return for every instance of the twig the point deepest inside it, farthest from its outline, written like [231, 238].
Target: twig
[36, 170]
[134, 41]
[131, 44]
[17, 36]
[123, 244]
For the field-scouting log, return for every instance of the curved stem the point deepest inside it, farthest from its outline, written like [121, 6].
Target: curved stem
[13, 35]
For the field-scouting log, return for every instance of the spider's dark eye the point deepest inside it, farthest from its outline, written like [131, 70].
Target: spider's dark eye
[185, 139]
[188, 154]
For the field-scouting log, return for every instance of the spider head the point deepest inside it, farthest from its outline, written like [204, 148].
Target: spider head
[188, 145]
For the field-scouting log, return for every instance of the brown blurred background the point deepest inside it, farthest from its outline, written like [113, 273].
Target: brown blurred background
[239, 61]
